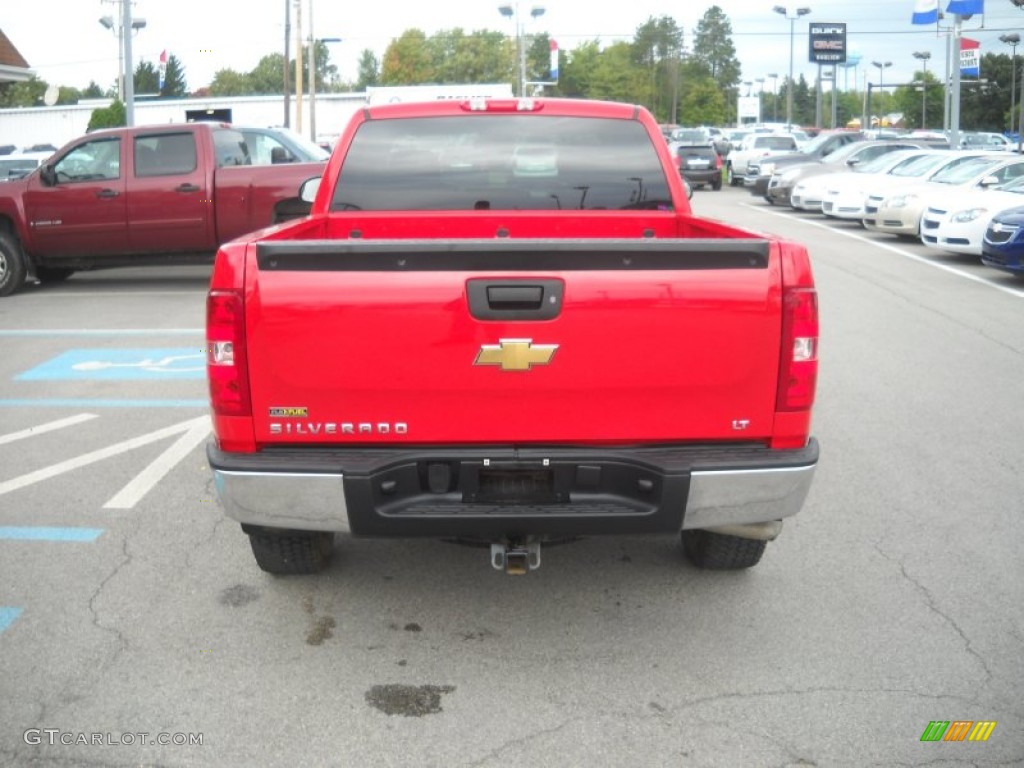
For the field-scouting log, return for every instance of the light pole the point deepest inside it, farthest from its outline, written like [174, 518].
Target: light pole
[760, 97]
[881, 81]
[511, 12]
[775, 96]
[117, 26]
[1013, 40]
[923, 57]
[784, 11]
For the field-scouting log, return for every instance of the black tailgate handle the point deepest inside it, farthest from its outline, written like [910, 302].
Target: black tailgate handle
[511, 299]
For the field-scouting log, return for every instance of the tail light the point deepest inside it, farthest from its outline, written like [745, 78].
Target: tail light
[798, 369]
[718, 160]
[226, 366]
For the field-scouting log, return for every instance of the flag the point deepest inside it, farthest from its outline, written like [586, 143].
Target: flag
[966, 7]
[970, 57]
[554, 61]
[925, 12]
[163, 68]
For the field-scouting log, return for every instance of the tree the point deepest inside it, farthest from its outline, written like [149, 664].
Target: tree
[147, 79]
[228, 82]
[175, 86]
[713, 48]
[908, 100]
[113, 116]
[703, 103]
[267, 77]
[477, 57]
[407, 60]
[656, 49]
[28, 93]
[369, 70]
[93, 91]
[577, 74]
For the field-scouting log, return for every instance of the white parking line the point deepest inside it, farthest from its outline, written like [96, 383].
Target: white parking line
[143, 483]
[893, 249]
[50, 426]
[104, 453]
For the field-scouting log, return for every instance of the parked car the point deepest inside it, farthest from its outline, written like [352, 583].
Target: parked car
[699, 164]
[17, 166]
[847, 194]
[810, 193]
[981, 140]
[1003, 246]
[958, 223]
[899, 211]
[273, 146]
[759, 171]
[754, 146]
[783, 183]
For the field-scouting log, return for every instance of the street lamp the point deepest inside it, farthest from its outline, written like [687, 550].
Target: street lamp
[115, 26]
[881, 79]
[511, 12]
[1013, 40]
[775, 96]
[784, 11]
[923, 57]
[311, 67]
[760, 96]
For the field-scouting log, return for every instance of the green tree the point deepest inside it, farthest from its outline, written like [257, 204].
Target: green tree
[147, 79]
[477, 57]
[910, 99]
[228, 82]
[656, 49]
[28, 93]
[407, 60]
[93, 91]
[615, 77]
[369, 70]
[267, 77]
[112, 116]
[175, 86]
[714, 49]
[577, 72]
[703, 103]
[68, 95]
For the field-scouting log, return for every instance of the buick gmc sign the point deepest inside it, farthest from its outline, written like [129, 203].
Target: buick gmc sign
[827, 43]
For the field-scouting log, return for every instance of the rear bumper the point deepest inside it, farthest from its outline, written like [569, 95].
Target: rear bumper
[703, 176]
[443, 492]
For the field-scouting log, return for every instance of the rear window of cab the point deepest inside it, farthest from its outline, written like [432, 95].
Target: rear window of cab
[501, 162]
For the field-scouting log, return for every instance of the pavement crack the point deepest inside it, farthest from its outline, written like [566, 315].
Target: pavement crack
[126, 559]
[496, 752]
[933, 606]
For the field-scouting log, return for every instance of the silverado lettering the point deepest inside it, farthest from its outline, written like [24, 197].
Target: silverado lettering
[579, 353]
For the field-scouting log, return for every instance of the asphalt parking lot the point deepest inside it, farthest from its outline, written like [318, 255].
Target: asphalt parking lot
[135, 628]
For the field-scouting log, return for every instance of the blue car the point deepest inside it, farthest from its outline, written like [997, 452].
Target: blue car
[1003, 246]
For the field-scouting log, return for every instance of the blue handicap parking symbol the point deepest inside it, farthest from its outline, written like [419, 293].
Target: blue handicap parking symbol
[121, 364]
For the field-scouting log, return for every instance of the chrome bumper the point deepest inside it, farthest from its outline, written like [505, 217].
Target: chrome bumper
[736, 500]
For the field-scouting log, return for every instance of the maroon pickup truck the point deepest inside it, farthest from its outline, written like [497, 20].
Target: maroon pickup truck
[131, 196]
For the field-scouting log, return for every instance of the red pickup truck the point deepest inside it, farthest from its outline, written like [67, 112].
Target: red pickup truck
[502, 322]
[127, 196]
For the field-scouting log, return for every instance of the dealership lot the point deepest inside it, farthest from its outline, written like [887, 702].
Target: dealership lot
[129, 606]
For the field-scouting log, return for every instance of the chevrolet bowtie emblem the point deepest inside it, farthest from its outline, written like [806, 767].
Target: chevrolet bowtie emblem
[515, 354]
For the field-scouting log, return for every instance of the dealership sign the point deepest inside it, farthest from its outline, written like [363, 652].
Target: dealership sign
[827, 43]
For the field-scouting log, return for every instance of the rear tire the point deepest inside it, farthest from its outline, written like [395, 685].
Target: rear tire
[12, 264]
[53, 274]
[716, 185]
[733, 181]
[292, 552]
[721, 552]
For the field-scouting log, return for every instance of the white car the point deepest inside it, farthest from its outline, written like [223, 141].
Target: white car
[810, 192]
[847, 194]
[899, 211]
[755, 145]
[21, 164]
[958, 224]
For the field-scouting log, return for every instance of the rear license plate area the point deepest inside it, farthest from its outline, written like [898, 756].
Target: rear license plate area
[513, 486]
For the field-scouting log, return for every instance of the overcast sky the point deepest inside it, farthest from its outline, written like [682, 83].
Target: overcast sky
[64, 43]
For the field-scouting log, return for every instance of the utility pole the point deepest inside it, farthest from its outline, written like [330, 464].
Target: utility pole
[287, 58]
[298, 66]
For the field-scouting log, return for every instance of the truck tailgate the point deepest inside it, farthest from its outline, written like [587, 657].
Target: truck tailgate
[513, 340]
